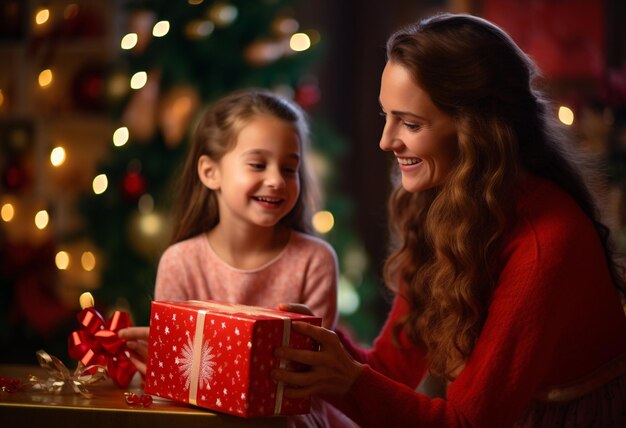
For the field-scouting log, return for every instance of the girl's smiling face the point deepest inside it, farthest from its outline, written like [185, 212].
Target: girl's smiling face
[257, 182]
[421, 136]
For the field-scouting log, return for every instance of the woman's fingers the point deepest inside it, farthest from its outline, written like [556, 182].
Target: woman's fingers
[319, 334]
[332, 371]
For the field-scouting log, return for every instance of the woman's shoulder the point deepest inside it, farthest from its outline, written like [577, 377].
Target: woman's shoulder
[547, 215]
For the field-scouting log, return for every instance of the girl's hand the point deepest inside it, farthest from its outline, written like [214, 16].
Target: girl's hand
[332, 370]
[137, 341]
[297, 308]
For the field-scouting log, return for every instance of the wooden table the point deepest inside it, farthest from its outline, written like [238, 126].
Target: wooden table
[107, 408]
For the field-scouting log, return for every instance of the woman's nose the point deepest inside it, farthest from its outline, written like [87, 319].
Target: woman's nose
[387, 140]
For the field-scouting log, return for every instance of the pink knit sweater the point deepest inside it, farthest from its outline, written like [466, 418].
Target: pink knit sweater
[305, 272]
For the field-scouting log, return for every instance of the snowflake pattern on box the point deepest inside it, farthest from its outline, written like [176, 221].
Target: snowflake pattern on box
[233, 378]
[185, 364]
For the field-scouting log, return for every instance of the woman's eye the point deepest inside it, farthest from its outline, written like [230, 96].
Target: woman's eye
[383, 115]
[411, 126]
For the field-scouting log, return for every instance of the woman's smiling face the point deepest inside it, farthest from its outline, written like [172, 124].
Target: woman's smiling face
[421, 136]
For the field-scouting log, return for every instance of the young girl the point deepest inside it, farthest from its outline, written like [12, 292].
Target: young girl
[505, 279]
[242, 223]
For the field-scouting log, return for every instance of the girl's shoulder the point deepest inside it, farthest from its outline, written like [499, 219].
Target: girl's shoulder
[195, 245]
[305, 242]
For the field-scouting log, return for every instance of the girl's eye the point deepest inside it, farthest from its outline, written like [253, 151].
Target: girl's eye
[258, 166]
[291, 170]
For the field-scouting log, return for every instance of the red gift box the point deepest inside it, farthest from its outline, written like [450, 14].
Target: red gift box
[219, 356]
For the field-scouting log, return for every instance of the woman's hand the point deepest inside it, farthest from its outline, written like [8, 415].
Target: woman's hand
[137, 341]
[332, 370]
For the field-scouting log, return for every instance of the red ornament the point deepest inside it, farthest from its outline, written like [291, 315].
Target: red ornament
[133, 399]
[133, 185]
[8, 384]
[308, 95]
[88, 88]
[15, 177]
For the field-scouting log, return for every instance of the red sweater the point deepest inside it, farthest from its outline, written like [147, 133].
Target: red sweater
[554, 318]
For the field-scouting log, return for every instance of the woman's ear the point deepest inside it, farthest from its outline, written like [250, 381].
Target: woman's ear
[208, 172]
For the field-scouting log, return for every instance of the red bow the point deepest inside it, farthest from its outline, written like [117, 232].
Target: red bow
[97, 343]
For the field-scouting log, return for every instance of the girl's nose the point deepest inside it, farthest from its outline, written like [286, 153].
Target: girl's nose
[275, 179]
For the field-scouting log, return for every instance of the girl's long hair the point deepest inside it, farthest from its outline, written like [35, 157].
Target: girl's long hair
[445, 240]
[196, 209]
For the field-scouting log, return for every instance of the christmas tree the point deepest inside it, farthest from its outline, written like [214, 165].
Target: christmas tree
[179, 57]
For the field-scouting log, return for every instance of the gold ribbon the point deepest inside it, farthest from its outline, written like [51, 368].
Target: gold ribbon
[231, 309]
[60, 377]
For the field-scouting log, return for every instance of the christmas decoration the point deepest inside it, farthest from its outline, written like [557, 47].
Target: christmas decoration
[97, 343]
[60, 379]
[8, 384]
[140, 113]
[219, 356]
[141, 22]
[176, 111]
[143, 400]
[88, 88]
[134, 185]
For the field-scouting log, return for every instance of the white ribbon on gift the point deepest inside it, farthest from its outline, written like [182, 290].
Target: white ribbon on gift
[232, 309]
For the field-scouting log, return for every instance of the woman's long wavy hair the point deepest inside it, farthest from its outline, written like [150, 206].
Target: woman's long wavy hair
[446, 241]
[196, 209]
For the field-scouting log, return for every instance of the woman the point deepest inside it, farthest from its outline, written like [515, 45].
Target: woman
[504, 276]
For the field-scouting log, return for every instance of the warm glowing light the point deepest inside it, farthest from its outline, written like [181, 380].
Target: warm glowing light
[150, 224]
[1, 98]
[299, 42]
[62, 260]
[57, 156]
[42, 16]
[223, 14]
[198, 29]
[566, 115]
[120, 136]
[195, 2]
[100, 184]
[45, 78]
[348, 300]
[129, 41]
[285, 26]
[42, 219]
[323, 221]
[88, 261]
[139, 80]
[145, 204]
[7, 212]
[161, 28]
[86, 300]
[118, 85]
